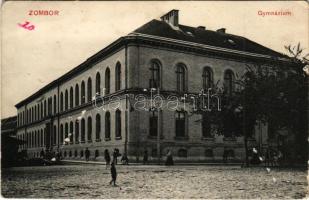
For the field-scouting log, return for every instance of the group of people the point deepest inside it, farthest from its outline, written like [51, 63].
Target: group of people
[49, 154]
[125, 160]
[269, 156]
[169, 158]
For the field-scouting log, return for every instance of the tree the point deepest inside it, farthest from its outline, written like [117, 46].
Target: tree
[273, 93]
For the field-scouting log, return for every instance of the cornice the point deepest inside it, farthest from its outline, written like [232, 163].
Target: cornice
[138, 38]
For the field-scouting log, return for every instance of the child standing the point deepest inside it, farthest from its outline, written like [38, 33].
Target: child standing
[114, 174]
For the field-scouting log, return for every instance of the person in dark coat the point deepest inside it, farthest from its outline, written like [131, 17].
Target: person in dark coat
[169, 159]
[113, 174]
[125, 159]
[87, 154]
[145, 158]
[115, 155]
[107, 157]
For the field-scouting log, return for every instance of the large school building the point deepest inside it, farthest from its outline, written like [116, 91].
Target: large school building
[105, 102]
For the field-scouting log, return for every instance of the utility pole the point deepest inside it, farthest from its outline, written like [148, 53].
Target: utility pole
[159, 134]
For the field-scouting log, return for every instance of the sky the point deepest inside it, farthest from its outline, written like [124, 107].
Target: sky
[30, 59]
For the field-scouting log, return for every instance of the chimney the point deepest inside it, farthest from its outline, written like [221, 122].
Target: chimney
[171, 17]
[221, 30]
[201, 27]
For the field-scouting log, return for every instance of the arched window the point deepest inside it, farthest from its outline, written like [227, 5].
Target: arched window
[107, 125]
[82, 130]
[206, 127]
[28, 139]
[154, 81]
[26, 116]
[66, 100]
[42, 110]
[76, 132]
[55, 104]
[180, 120]
[61, 101]
[75, 153]
[45, 108]
[31, 139]
[207, 78]
[98, 127]
[71, 97]
[107, 81]
[54, 135]
[81, 153]
[118, 124]
[98, 84]
[118, 77]
[66, 132]
[35, 139]
[50, 106]
[35, 113]
[38, 111]
[71, 132]
[153, 123]
[83, 94]
[229, 82]
[61, 134]
[89, 129]
[89, 89]
[181, 78]
[30, 115]
[76, 95]
[42, 137]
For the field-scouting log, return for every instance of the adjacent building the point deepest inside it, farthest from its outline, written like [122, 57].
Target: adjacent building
[98, 104]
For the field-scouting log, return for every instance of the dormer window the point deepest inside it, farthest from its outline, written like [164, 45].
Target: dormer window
[232, 42]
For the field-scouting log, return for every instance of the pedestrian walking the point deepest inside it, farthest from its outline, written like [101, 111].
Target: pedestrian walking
[113, 174]
[115, 156]
[87, 154]
[145, 157]
[169, 158]
[107, 157]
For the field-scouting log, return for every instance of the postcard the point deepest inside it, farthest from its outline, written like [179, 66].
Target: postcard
[154, 99]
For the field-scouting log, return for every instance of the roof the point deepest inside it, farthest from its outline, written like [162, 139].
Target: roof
[202, 36]
[163, 29]
[8, 125]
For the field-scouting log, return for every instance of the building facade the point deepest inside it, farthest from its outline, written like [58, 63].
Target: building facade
[107, 101]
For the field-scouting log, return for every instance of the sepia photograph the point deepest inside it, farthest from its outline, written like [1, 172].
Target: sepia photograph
[154, 99]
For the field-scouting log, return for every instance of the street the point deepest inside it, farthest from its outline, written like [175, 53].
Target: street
[92, 181]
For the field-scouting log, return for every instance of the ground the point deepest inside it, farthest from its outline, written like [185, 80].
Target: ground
[92, 181]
